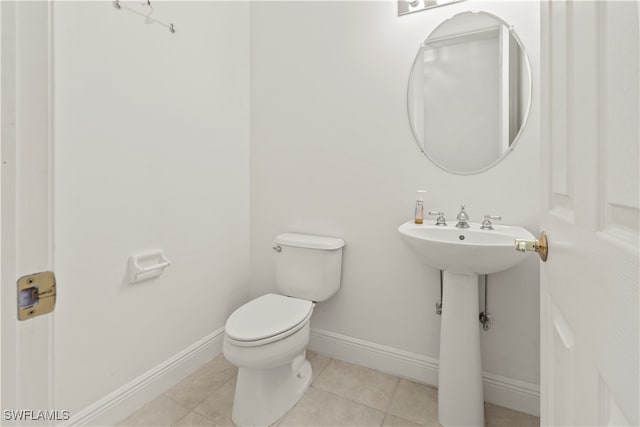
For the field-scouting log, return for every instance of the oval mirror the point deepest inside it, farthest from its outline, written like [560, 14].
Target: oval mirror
[469, 92]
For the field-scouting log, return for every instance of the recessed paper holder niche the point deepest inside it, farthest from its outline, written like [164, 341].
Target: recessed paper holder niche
[147, 265]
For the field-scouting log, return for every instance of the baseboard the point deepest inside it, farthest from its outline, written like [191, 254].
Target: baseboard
[514, 394]
[120, 403]
[499, 390]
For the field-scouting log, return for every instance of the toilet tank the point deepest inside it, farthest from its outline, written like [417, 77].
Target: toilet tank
[307, 266]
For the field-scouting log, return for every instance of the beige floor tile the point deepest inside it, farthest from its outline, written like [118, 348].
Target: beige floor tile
[497, 416]
[320, 408]
[159, 412]
[342, 394]
[362, 385]
[199, 385]
[193, 419]
[393, 421]
[196, 419]
[277, 422]
[415, 402]
[318, 363]
[219, 404]
[223, 420]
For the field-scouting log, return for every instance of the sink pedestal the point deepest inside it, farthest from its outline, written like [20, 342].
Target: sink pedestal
[468, 252]
[460, 399]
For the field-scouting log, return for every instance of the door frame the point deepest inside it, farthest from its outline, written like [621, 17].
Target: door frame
[26, 200]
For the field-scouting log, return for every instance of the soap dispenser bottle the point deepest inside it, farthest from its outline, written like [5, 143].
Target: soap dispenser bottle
[419, 212]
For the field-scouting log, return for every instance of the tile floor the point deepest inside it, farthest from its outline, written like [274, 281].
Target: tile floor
[341, 394]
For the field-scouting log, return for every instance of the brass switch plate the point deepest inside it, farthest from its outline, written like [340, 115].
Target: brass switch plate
[36, 294]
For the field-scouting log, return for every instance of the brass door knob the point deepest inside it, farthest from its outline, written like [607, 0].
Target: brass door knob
[541, 246]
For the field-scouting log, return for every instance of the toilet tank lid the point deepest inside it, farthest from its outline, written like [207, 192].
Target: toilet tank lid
[309, 241]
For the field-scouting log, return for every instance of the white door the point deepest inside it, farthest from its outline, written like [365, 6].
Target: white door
[25, 206]
[589, 285]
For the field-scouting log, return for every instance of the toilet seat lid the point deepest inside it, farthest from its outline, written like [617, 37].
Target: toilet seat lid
[267, 316]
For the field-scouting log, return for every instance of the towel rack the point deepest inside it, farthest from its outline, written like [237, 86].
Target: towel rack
[147, 17]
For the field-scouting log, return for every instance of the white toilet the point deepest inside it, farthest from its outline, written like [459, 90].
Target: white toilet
[266, 338]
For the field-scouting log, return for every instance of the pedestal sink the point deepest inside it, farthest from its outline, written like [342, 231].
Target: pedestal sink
[462, 254]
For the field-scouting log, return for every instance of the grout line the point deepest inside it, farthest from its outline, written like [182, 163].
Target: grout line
[386, 412]
[180, 419]
[347, 398]
[205, 395]
[395, 387]
[211, 394]
[171, 399]
[393, 394]
[321, 371]
[191, 408]
[206, 416]
[281, 419]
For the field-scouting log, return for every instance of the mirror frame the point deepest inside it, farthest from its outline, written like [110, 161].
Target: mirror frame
[527, 110]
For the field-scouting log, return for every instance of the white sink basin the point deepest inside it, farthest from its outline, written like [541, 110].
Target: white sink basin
[463, 254]
[465, 250]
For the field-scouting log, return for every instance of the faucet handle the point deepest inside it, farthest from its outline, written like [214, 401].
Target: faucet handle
[486, 224]
[441, 219]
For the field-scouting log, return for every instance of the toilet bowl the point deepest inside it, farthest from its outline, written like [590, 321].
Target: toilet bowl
[267, 337]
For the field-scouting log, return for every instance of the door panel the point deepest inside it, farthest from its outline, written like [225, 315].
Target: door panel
[590, 181]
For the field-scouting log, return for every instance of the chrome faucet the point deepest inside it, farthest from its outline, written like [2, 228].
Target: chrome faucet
[463, 218]
[441, 221]
[487, 224]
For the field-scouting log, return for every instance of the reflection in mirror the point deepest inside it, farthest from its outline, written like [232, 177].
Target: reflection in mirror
[469, 92]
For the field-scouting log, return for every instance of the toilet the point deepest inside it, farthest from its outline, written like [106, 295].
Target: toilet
[267, 337]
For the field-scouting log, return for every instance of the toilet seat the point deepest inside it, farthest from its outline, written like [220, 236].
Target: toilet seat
[267, 319]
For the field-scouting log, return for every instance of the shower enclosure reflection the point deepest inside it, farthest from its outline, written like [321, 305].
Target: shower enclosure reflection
[469, 92]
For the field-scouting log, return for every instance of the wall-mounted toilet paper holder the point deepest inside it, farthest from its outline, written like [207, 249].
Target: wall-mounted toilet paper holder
[147, 265]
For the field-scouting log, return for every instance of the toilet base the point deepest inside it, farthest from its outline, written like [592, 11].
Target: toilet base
[264, 395]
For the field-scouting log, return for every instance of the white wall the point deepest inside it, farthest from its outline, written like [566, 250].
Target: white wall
[151, 151]
[332, 153]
